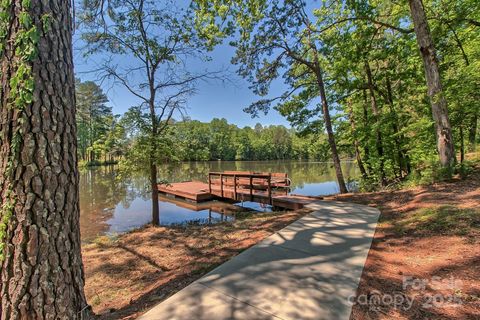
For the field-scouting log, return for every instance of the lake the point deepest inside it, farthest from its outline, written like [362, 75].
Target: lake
[111, 203]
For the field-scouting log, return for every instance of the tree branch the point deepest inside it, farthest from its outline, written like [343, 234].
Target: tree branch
[369, 19]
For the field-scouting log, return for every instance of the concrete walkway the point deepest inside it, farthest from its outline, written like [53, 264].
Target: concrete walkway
[304, 271]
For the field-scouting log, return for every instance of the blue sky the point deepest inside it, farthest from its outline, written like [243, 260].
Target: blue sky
[213, 99]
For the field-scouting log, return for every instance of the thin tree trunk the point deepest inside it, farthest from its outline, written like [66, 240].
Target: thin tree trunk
[396, 139]
[41, 271]
[155, 205]
[376, 113]
[90, 132]
[355, 141]
[315, 67]
[445, 144]
[472, 131]
[367, 131]
[462, 145]
[153, 165]
[331, 136]
[402, 153]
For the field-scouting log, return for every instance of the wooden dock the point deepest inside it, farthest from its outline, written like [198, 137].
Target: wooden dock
[239, 186]
[191, 190]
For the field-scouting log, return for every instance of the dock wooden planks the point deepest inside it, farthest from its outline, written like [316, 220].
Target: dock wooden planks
[192, 190]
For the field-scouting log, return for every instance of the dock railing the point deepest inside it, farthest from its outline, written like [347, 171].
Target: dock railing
[251, 176]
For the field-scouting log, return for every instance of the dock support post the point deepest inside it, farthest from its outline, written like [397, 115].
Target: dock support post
[251, 188]
[210, 183]
[269, 180]
[235, 186]
[221, 184]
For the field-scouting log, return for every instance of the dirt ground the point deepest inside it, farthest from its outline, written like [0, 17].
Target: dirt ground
[424, 262]
[125, 276]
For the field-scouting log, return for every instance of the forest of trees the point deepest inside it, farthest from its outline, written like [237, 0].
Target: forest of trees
[106, 139]
[397, 81]
[218, 140]
[394, 83]
[100, 137]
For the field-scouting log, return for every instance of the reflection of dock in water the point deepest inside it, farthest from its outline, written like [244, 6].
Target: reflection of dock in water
[239, 186]
[225, 210]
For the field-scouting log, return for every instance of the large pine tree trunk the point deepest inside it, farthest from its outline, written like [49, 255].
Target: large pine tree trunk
[445, 143]
[41, 271]
[330, 134]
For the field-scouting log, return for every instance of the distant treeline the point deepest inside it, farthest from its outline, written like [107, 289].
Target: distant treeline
[195, 140]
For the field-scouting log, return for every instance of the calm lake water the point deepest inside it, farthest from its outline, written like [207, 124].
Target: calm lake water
[111, 203]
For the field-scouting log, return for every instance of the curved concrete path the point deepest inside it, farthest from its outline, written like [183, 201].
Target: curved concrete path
[304, 271]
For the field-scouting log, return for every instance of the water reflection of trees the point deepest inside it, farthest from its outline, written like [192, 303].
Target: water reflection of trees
[100, 193]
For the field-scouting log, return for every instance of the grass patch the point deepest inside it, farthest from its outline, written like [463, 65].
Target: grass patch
[256, 214]
[96, 301]
[107, 240]
[442, 220]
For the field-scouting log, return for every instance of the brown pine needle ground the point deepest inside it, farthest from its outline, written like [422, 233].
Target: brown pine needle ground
[429, 233]
[130, 273]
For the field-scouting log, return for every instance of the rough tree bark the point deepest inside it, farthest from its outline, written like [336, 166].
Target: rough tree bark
[445, 143]
[41, 274]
